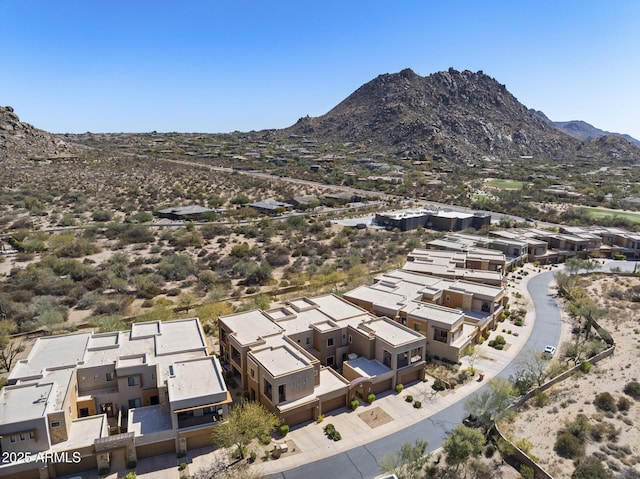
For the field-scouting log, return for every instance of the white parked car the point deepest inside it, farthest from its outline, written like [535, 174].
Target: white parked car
[549, 350]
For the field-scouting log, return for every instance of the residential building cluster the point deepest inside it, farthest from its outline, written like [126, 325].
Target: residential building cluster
[82, 401]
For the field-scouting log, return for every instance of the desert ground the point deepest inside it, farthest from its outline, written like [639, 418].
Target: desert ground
[618, 445]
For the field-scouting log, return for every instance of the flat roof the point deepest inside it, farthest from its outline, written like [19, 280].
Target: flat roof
[83, 432]
[250, 326]
[25, 402]
[196, 382]
[180, 335]
[330, 382]
[280, 360]
[145, 330]
[434, 312]
[149, 420]
[392, 332]
[368, 367]
[337, 308]
[52, 352]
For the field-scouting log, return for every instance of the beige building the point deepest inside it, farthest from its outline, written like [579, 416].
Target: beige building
[312, 355]
[450, 313]
[88, 401]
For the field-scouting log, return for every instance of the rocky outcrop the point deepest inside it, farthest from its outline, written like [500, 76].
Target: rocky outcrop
[450, 116]
[20, 140]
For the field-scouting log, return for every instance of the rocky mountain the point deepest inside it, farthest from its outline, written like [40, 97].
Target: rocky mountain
[22, 140]
[450, 116]
[582, 130]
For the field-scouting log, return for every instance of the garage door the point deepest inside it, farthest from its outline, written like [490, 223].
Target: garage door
[156, 449]
[381, 387]
[87, 463]
[299, 417]
[202, 440]
[332, 404]
[410, 377]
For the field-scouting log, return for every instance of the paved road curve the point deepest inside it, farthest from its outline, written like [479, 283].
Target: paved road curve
[360, 462]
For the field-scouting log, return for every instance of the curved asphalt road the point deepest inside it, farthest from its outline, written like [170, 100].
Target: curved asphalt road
[361, 462]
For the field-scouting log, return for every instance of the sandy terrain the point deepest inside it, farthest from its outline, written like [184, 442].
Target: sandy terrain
[541, 425]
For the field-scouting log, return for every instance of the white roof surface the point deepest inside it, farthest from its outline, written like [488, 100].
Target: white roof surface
[196, 382]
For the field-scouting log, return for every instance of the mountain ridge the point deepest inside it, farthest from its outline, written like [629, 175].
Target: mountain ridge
[451, 116]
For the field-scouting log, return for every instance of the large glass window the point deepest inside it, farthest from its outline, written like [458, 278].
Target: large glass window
[268, 390]
[439, 335]
[133, 380]
[386, 358]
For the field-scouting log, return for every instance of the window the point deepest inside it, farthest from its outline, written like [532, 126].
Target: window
[440, 335]
[134, 403]
[309, 340]
[350, 339]
[268, 390]
[386, 358]
[416, 326]
[13, 439]
[330, 361]
[32, 435]
[402, 360]
[330, 342]
[447, 298]
[282, 395]
[253, 373]
[404, 321]
[133, 380]
[153, 376]
[55, 424]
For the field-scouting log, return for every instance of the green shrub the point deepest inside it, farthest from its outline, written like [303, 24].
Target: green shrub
[284, 430]
[409, 398]
[320, 418]
[585, 367]
[439, 385]
[605, 402]
[330, 431]
[541, 399]
[417, 404]
[265, 439]
[569, 446]
[590, 467]
[354, 404]
[371, 397]
[399, 388]
[182, 466]
[632, 389]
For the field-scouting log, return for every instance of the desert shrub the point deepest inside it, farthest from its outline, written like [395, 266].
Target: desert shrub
[399, 388]
[330, 431]
[409, 398]
[585, 367]
[265, 439]
[632, 389]
[624, 404]
[605, 402]
[541, 399]
[580, 427]
[590, 467]
[569, 446]
[371, 397]
[284, 429]
[176, 267]
[102, 215]
[527, 472]
[439, 385]
[417, 404]
[354, 404]
[604, 430]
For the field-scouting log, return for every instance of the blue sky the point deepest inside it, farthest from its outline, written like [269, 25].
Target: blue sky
[219, 66]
